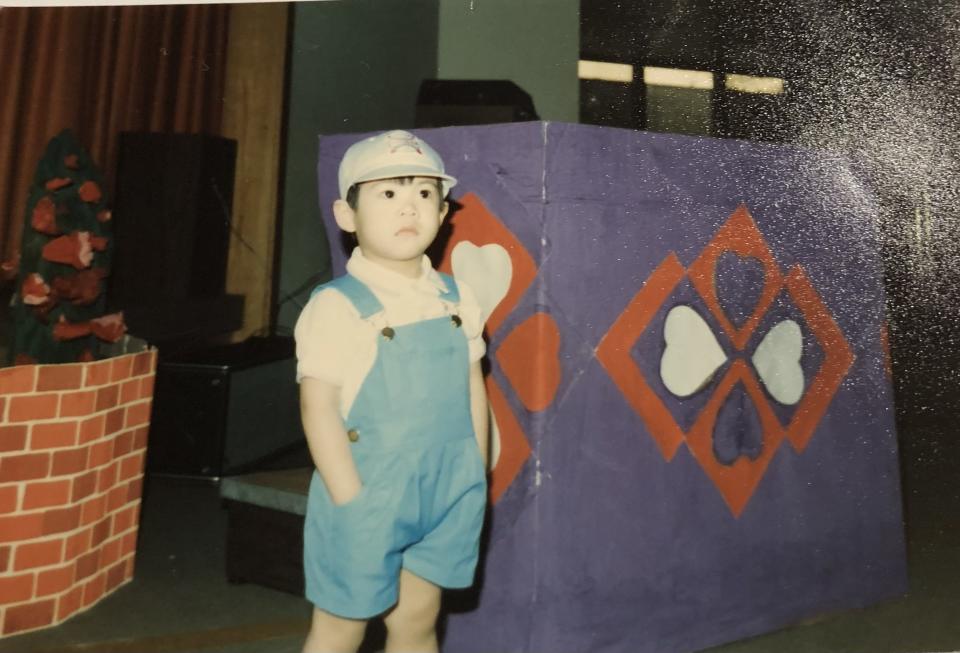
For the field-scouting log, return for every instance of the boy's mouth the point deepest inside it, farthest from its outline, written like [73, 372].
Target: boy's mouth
[406, 231]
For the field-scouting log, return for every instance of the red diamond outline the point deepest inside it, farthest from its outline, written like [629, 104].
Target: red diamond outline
[736, 483]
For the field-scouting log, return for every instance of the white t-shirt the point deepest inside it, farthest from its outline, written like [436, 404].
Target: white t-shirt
[336, 346]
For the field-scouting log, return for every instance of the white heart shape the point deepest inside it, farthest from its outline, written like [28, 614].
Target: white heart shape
[777, 360]
[487, 270]
[692, 354]
[495, 447]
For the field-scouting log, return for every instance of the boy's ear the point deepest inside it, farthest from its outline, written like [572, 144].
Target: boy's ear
[345, 216]
[444, 210]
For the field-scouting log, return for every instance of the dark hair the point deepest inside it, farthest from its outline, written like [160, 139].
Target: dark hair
[354, 190]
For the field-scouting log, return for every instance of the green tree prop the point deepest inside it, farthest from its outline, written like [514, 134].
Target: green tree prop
[65, 258]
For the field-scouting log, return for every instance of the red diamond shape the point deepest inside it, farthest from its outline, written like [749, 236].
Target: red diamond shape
[475, 223]
[736, 482]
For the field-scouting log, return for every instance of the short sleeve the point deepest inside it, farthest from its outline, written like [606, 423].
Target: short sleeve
[324, 336]
[472, 318]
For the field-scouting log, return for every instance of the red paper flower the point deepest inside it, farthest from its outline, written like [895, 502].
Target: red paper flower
[75, 250]
[34, 291]
[57, 183]
[109, 327]
[66, 330]
[90, 192]
[44, 218]
[85, 356]
[105, 215]
[82, 288]
[71, 161]
[98, 243]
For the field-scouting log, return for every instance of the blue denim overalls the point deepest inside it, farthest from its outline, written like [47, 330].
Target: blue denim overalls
[424, 486]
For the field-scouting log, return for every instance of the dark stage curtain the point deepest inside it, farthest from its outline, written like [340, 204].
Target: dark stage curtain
[100, 71]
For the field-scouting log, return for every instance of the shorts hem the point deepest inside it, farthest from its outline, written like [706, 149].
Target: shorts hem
[349, 611]
[439, 578]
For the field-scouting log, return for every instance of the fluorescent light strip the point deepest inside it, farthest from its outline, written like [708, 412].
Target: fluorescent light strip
[754, 84]
[605, 71]
[677, 77]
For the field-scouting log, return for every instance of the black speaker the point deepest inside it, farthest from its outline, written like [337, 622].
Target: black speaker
[172, 214]
[447, 102]
[226, 409]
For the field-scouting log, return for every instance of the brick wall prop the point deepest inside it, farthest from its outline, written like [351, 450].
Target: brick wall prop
[73, 441]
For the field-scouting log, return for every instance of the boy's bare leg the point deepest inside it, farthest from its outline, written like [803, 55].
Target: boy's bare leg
[332, 634]
[411, 624]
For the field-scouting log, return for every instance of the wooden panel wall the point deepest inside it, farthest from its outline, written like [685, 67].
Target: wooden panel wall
[253, 115]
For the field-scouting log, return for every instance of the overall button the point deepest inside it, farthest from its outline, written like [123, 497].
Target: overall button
[353, 435]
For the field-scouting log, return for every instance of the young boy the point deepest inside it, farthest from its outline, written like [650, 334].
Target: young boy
[393, 408]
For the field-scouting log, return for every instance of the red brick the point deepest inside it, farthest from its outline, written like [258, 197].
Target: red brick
[92, 428]
[123, 444]
[110, 552]
[135, 489]
[15, 589]
[88, 564]
[140, 438]
[13, 438]
[146, 386]
[115, 420]
[130, 566]
[83, 486]
[45, 494]
[117, 497]
[125, 519]
[130, 391]
[31, 555]
[69, 603]
[100, 453]
[98, 373]
[122, 368]
[53, 435]
[9, 498]
[18, 379]
[70, 461]
[138, 414]
[59, 377]
[115, 576]
[16, 528]
[27, 408]
[107, 397]
[93, 590]
[61, 521]
[77, 404]
[5, 558]
[101, 531]
[3, 407]
[77, 544]
[24, 467]
[128, 544]
[93, 510]
[107, 477]
[54, 581]
[142, 363]
[131, 466]
[30, 616]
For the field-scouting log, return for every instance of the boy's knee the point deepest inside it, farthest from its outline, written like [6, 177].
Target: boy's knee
[329, 633]
[414, 616]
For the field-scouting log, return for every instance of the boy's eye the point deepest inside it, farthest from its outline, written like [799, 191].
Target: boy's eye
[426, 193]
[388, 194]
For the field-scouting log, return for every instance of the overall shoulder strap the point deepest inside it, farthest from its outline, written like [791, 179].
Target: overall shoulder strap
[452, 294]
[357, 292]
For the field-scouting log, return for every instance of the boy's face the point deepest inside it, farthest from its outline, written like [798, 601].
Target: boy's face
[395, 219]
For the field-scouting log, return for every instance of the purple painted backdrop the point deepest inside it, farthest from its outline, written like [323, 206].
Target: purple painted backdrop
[601, 544]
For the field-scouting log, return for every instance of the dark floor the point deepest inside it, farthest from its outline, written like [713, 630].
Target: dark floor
[181, 601]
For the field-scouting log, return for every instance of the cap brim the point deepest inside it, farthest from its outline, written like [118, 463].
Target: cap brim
[401, 170]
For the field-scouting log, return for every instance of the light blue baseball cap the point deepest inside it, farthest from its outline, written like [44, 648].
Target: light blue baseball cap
[395, 153]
